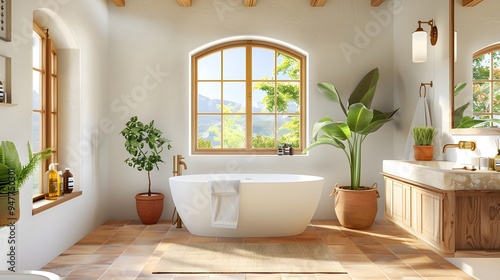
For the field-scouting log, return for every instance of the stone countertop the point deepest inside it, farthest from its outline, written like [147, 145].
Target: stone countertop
[441, 175]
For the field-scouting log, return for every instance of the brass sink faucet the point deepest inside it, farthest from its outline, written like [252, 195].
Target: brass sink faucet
[469, 145]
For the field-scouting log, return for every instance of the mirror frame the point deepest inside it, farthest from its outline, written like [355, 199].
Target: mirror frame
[460, 131]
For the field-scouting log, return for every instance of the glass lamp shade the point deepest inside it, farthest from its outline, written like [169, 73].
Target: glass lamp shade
[419, 46]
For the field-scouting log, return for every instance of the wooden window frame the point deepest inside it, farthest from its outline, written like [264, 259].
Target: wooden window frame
[248, 150]
[49, 101]
[491, 80]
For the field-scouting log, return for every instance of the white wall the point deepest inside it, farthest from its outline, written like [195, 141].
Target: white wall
[158, 34]
[42, 237]
[409, 75]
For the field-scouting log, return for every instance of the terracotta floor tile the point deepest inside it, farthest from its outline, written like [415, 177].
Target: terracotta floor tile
[130, 250]
[111, 249]
[372, 271]
[344, 249]
[94, 270]
[397, 270]
[353, 259]
[81, 249]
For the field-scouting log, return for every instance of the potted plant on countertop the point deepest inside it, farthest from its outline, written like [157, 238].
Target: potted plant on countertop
[13, 175]
[355, 205]
[423, 148]
[145, 143]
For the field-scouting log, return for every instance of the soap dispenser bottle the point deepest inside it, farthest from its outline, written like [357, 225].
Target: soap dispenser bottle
[53, 182]
[497, 161]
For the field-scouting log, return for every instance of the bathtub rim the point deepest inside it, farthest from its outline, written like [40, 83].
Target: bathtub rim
[215, 176]
[49, 275]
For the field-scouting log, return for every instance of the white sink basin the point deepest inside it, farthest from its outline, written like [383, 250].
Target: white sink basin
[443, 175]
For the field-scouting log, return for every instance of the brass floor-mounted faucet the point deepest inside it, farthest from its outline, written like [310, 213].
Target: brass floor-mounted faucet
[469, 145]
[178, 164]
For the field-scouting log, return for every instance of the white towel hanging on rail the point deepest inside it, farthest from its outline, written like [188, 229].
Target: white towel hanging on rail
[421, 117]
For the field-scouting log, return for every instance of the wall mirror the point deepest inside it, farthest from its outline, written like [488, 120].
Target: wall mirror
[475, 62]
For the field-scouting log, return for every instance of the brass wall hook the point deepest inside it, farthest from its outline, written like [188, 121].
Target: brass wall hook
[424, 86]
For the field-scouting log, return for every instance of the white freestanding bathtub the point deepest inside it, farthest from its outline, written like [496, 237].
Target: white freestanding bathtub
[270, 204]
[28, 275]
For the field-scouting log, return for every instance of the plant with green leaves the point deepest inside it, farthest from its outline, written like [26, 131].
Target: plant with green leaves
[145, 143]
[423, 135]
[13, 173]
[349, 134]
[461, 121]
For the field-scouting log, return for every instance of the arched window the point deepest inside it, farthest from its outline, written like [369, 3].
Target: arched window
[486, 83]
[248, 97]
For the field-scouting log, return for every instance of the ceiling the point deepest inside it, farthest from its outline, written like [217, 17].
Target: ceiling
[314, 3]
[253, 3]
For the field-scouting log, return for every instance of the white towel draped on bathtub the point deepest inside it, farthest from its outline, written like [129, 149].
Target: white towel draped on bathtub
[225, 202]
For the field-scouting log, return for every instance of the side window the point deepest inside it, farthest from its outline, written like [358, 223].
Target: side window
[45, 89]
[248, 97]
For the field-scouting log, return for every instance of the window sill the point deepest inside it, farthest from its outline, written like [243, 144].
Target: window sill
[45, 204]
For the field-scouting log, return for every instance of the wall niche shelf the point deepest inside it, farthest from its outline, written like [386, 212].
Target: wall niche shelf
[5, 75]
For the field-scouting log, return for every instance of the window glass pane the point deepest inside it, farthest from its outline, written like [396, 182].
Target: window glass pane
[234, 97]
[36, 143]
[288, 67]
[481, 97]
[496, 65]
[208, 132]
[209, 97]
[234, 64]
[288, 130]
[481, 67]
[263, 100]
[262, 64]
[234, 131]
[496, 97]
[37, 90]
[37, 51]
[209, 67]
[36, 179]
[263, 132]
[288, 97]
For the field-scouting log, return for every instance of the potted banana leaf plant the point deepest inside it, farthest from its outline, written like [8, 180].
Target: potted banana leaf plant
[13, 175]
[145, 143]
[355, 205]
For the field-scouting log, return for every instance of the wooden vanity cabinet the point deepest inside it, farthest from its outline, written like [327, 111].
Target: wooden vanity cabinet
[449, 220]
[424, 212]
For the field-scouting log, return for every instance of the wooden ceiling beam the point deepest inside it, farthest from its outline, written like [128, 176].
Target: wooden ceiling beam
[376, 3]
[185, 3]
[119, 3]
[318, 3]
[471, 3]
[250, 3]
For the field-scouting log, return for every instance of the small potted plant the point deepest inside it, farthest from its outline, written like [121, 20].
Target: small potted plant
[145, 143]
[13, 175]
[423, 148]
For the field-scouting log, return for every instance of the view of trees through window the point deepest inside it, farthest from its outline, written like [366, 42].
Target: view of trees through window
[248, 97]
[486, 84]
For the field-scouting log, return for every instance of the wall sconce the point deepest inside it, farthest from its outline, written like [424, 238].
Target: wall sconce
[419, 41]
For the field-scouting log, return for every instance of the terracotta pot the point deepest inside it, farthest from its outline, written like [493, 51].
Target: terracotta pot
[356, 209]
[149, 208]
[423, 152]
[9, 208]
